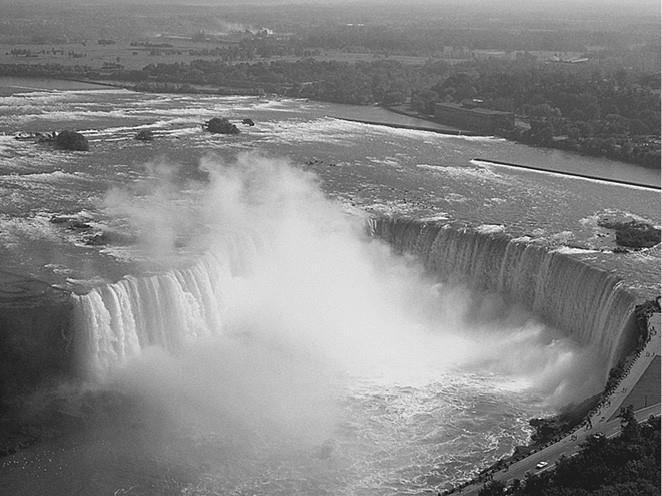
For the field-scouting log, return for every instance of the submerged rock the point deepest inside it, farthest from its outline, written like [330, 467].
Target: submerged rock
[108, 237]
[71, 140]
[145, 135]
[72, 222]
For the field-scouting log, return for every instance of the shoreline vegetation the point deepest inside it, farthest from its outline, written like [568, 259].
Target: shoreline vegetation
[628, 464]
[613, 115]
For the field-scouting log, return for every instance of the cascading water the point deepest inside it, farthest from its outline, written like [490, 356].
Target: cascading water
[588, 303]
[116, 321]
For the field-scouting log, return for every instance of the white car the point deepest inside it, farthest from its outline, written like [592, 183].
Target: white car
[541, 465]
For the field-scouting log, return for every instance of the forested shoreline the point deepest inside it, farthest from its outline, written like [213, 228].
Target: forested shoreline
[610, 114]
[626, 465]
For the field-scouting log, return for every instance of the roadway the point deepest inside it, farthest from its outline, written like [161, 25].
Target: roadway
[599, 420]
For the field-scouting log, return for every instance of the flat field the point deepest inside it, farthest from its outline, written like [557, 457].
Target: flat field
[137, 57]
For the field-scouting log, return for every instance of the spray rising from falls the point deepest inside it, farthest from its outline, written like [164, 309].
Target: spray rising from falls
[116, 321]
[288, 269]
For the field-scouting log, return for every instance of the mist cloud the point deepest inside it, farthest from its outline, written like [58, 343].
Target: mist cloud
[314, 305]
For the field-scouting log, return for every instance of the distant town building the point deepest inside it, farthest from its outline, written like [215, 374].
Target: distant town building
[471, 115]
[568, 60]
[112, 66]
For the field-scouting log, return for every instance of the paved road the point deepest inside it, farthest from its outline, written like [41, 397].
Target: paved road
[638, 368]
[570, 444]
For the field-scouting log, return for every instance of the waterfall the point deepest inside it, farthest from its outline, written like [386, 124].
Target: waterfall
[589, 304]
[118, 320]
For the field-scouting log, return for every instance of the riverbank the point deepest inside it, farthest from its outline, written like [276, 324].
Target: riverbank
[24, 84]
[594, 147]
[157, 87]
[565, 434]
[546, 158]
[10, 85]
[571, 174]
[438, 130]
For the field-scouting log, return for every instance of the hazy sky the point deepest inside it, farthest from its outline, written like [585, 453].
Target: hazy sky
[527, 4]
[603, 10]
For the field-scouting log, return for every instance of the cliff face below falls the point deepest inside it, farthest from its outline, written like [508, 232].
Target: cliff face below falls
[36, 334]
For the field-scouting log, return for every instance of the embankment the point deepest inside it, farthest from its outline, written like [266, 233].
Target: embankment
[569, 174]
[431, 129]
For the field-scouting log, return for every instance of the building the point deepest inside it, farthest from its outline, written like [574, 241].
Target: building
[471, 116]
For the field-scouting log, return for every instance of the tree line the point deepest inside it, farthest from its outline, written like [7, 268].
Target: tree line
[628, 465]
[612, 114]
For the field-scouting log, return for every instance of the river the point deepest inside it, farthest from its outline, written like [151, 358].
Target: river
[337, 367]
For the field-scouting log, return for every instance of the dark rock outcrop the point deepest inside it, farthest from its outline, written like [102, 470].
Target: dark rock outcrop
[36, 335]
[632, 233]
[220, 126]
[71, 140]
[145, 135]
[109, 238]
[75, 223]
[248, 122]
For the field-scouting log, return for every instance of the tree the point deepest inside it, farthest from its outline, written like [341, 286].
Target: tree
[630, 429]
[492, 488]
[458, 86]
[424, 101]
